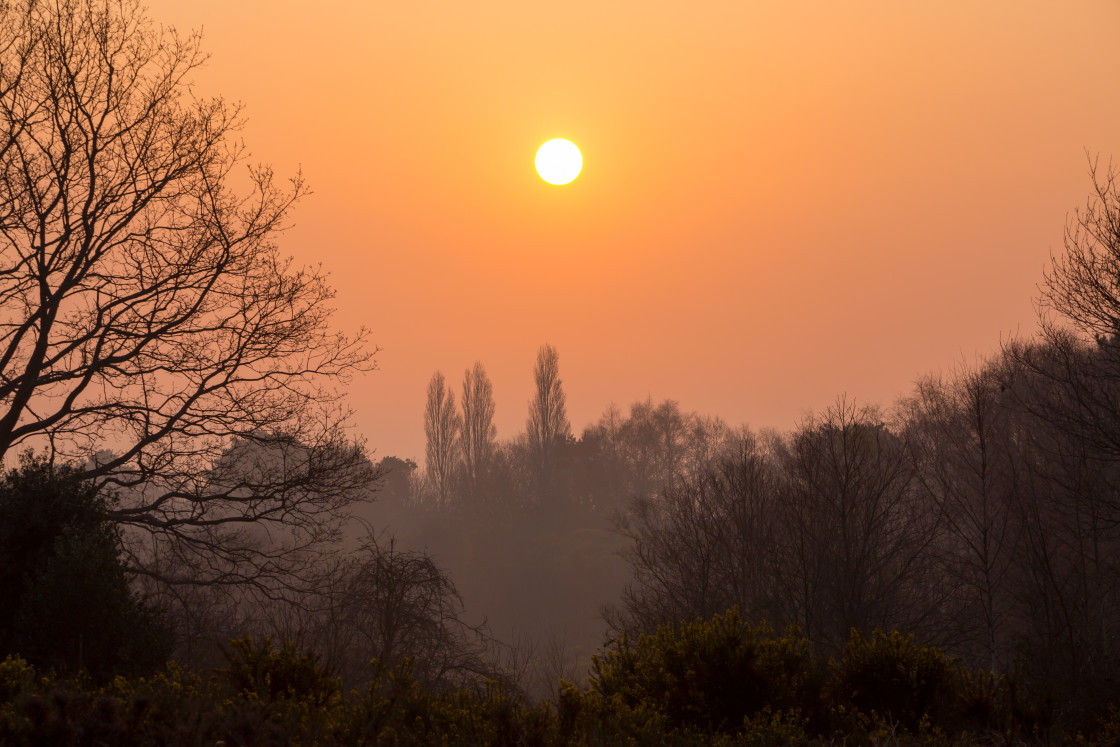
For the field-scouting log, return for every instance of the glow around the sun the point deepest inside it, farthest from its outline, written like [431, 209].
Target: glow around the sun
[559, 161]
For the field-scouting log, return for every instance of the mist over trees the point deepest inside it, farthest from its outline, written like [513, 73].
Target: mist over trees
[172, 390]
[978, 513]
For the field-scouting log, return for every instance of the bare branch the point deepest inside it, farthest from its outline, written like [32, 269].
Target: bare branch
[146, 313]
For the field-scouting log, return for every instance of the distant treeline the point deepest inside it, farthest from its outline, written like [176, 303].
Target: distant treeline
[980, 513]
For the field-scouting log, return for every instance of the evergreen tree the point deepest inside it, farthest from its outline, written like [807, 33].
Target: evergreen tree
[67, 603]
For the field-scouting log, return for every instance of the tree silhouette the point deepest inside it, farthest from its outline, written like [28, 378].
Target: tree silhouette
[1080, 315]
[442, 424]
[67, 603]
[548, 425]
[857, 536]
[478, 438]
[960, 439]
[146, 313]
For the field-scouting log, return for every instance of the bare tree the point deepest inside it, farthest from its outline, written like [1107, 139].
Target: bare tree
[653, 440]
[960, 437]
[1079, 310]
[442, 424]
[1066, 578]
[663, 445]
[704, 545]
[379, 604]
[1083, 284]
[1066, 389]
[479, 433]
[144, 306]
[856, 539]
[548, 425]
[604, 482]
[395, 605]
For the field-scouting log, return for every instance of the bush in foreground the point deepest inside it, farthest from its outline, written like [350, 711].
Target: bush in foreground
[708, 682]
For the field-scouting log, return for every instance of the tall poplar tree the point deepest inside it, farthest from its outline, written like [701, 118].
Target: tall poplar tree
[479, 433]
[548, 419]
[442, 424]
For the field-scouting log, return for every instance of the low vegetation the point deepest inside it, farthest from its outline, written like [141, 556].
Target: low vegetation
[717, 681]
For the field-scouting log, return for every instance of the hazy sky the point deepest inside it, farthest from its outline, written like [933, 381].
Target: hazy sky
[781, 201]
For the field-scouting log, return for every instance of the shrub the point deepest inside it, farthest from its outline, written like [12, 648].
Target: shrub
[891, 676]
[272, 673]
[710, 675]
[16, 678]
[398, 710]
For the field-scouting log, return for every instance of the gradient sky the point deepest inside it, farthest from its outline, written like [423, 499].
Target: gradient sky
[782, 200]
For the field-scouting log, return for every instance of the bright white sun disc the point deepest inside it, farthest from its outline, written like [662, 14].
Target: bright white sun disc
[559, 161]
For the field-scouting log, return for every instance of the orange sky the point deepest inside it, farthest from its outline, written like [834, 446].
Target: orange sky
[782, 200]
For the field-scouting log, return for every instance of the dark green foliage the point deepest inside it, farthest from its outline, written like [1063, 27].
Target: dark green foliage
[38, 505]
[179, 708]
[709, 682]
[723, 681]
[397, 710]
[16, 676]
[271, 673]
[897, 679]
[710, 675]
[67, 601]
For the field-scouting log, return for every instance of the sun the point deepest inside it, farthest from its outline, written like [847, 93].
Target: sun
[559, 161]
